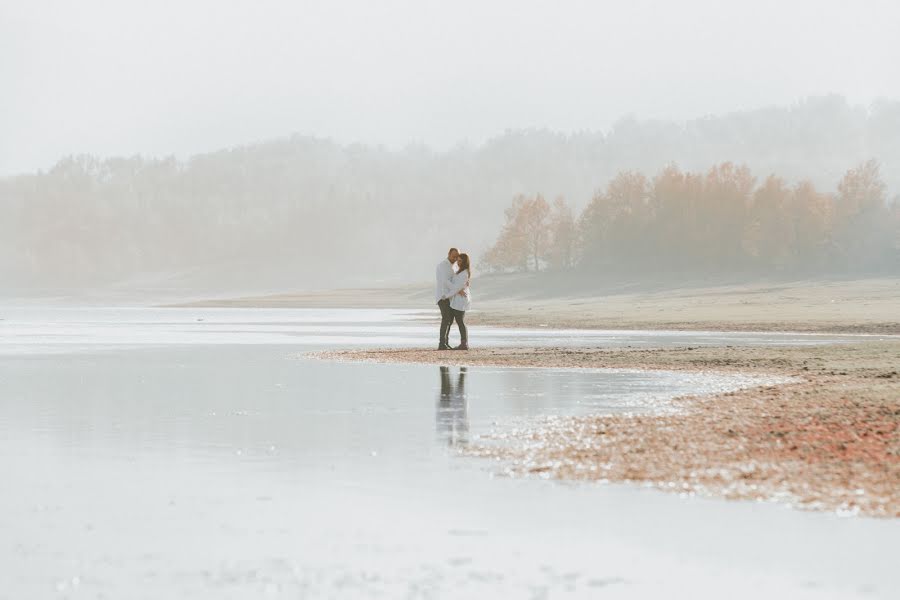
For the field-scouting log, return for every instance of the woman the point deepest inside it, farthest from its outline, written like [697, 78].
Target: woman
[461, 298]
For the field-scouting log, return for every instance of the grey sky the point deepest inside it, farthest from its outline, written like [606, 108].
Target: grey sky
[125, 77]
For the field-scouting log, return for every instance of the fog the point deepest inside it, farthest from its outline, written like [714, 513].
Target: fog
[301, 145]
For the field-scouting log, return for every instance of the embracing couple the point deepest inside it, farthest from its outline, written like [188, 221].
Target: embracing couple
[452, 294]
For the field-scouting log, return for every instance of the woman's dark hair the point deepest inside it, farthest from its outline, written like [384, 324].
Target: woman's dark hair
[464, 265]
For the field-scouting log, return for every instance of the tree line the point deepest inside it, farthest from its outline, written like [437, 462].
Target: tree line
[723, 220]
[302, 212]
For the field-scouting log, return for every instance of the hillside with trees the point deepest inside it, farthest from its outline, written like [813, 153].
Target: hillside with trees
[722, 221]
[306, 213]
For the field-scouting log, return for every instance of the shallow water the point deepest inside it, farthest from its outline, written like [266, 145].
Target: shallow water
[43, 330]
[146, 453]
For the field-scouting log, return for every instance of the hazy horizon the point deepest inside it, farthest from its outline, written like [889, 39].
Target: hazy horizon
[271, 144]
[470, 145]
[462, 144]
[120, 79]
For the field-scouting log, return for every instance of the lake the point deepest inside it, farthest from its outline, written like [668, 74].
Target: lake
[198, 453]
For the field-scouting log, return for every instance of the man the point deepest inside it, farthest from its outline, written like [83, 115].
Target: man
[443, 274]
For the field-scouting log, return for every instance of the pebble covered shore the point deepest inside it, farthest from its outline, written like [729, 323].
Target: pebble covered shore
[830, 440]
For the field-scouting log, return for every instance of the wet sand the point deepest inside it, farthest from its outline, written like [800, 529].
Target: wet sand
[861, 306]
[857, 306]
[830, 440]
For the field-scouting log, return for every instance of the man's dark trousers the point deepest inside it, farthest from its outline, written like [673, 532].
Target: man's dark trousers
[446, 321]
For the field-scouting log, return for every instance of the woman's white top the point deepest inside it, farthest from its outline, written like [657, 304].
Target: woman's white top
[460, 282]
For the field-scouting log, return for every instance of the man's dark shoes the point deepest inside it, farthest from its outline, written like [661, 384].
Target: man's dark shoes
[443, 347]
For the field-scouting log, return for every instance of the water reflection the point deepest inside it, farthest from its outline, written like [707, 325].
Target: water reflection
[452, 408]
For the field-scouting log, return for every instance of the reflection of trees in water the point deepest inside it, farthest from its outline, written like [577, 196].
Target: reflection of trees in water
[452, 409]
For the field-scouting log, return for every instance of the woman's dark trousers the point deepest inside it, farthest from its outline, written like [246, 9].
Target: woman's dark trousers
[460, 316]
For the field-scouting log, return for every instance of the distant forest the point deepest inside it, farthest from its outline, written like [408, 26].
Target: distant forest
[305, 213]
[719, 222]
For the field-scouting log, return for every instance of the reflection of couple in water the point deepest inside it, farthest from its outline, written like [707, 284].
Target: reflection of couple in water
[451, 292]
[452, 410]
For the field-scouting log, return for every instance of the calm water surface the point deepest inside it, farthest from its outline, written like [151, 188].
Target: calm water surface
[181, 453]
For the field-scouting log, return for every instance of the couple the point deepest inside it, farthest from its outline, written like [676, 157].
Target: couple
[452, 410]
[453, 298]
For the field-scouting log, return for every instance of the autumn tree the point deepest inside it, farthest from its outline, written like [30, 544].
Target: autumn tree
[536, 226]
[677, 235]
[894, 240]
[811, 215]
[862, 225]
[724, 205]
[561, 254]
[613, 224]
[723, 222]
[768, 236]
[509, 251]
[525, 238]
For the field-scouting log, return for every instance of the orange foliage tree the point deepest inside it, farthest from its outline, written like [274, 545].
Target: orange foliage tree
[526, 237]
[862, 227]
[563, 235]
[720, 221]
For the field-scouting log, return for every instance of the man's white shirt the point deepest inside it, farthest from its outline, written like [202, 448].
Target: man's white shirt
[443, 276]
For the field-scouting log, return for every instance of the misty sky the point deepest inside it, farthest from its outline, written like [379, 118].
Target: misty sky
[157, 78]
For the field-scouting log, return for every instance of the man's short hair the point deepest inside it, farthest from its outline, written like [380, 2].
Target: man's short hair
[452, 250]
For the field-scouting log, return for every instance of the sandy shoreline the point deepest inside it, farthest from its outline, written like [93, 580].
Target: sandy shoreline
[829, 441]
[862, 306]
